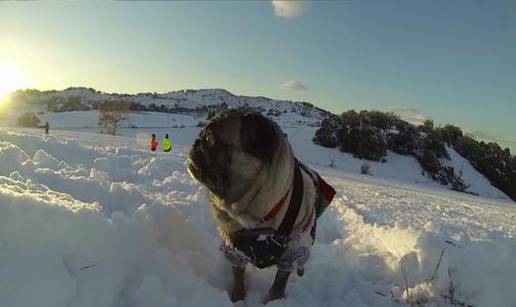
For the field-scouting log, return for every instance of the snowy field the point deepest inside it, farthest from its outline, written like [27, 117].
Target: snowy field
[183, 129]
[95, 220]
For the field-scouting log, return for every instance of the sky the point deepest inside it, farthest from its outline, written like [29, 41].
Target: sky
[451, 61]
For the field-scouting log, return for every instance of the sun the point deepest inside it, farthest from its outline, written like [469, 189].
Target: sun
[11, 79]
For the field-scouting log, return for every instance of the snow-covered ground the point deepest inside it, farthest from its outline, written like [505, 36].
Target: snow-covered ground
[95, 220]
[183, 128]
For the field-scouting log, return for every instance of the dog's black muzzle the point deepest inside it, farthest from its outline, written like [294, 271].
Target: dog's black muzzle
[202, 166]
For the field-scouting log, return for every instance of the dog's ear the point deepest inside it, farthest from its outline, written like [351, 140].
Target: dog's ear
[258, 136]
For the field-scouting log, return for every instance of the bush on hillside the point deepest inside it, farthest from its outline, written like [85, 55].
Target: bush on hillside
[497, 164]
[364, 142]
[350, 119]
[451, 134]
[273, 112]
[327, 135]
[404, 140]
[434, 143]
[379, 119]
[369, 134]
[365, 169]
[28, 120]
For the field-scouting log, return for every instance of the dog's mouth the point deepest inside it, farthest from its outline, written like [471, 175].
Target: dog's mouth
[196, 161]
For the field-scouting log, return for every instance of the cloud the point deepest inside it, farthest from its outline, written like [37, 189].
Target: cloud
[503, 141]
[486, 135]
[288, 9]
[409, 114]
[416, 117]
[293, 85]
[401, 109]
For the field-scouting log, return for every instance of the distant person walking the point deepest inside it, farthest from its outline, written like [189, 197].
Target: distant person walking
[47, 127]
[167, 146]
[153, 143]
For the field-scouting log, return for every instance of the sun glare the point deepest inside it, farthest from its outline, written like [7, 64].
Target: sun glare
[11, 79]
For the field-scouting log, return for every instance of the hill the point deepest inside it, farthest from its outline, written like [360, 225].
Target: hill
[370, 134]
[445, 155]
[177, 102]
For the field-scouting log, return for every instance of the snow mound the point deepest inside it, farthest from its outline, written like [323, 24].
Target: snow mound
[45, 160]
[71, 237]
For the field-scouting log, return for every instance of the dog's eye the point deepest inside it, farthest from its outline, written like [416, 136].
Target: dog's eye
[209, 139]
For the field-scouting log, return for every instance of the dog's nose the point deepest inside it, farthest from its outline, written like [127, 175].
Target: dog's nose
[197, 146]
[195, 151]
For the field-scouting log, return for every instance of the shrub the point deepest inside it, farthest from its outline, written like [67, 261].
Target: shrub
[350, 119]
[111, 114]
[327, 135]
[405, 140]
[427, 126]
[273, 112]
[451, 134]
[72, 103]
[430, 163]
[364, 143]
[379, 119]
[433, 142]
[365, 169]
[28, 120]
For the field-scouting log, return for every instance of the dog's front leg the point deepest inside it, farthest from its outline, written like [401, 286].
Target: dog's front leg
[238, 292]
[277, 289]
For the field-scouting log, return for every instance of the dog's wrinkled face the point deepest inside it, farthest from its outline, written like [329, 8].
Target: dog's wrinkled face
[231, 149]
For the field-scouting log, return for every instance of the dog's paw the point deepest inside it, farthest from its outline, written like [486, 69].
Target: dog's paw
[237, 294]
[272, 296]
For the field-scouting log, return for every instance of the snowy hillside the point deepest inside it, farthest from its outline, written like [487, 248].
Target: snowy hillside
[189, 108]
[183, 100]
[183, 128]
[94, 220]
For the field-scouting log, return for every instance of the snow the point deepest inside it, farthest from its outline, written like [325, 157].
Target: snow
[56, 223]
[89, 119]
[183, 128]
[96, 220]
[476, 181]
[186, 99]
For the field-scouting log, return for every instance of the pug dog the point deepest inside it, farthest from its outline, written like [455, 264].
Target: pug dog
[263, 201]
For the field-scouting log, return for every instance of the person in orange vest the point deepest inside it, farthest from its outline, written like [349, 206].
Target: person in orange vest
[153, 143]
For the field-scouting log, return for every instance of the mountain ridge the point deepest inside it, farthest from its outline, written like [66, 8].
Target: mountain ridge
[180, 100]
